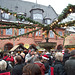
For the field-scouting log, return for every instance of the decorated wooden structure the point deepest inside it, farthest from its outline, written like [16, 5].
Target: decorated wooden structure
[70, 42]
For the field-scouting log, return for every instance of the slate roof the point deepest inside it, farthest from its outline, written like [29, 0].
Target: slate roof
[25, 7]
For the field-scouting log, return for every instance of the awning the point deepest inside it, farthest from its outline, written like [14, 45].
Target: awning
[14, 48]
[41, 49]
[70, 40]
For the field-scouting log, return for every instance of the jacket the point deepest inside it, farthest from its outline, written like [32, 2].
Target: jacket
[17, 70]
[29, 58]
[8, 58]
[59, 68]
[46, 64]
[66, 57]
[4, 73]
[70, 66]
[42, 67]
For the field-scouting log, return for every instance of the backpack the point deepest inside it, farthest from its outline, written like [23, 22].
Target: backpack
[9, 65]
[51, 70]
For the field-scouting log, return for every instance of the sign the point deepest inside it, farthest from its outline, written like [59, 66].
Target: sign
[26, 46]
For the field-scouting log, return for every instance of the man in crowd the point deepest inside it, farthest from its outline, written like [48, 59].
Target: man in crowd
[70, 64]
[17, 70]
[66, 55]
[30, 57]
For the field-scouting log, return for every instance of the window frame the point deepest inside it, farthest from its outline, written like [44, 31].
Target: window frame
[51, 34]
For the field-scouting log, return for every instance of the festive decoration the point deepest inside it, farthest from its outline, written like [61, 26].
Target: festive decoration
[20, 35]
[70, 46]
[70, 9]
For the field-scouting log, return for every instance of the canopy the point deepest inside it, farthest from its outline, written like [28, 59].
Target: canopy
[14, 48]
[70, 40]
[18, 48]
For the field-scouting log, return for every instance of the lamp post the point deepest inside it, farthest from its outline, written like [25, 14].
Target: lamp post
[47, 32]
[47, 39]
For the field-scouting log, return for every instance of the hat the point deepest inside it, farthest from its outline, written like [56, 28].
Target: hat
[45, 57]
[72, 52]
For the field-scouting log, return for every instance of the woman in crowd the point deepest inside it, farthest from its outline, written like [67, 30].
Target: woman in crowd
[31, 69]
[45, 59]
[3, 66]
[58, 66]
[41, 65]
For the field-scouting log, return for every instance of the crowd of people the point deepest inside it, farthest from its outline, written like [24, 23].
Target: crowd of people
[35, 63]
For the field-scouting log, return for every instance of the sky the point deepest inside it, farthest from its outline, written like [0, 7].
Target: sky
[58, 5]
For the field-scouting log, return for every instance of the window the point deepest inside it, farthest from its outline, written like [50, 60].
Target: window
[21, 31]
[60, 33]
[5, 16]
[20, 19]
[33, 34]
[8, 31]
[37, 16]
[1, 31]
[51, 34]
[48, 21]
[39, 33]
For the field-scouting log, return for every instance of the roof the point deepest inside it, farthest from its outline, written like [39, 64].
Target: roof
[14, 48]
[71, 29]
[70, 40]
[25, 7]
[33, 47]
[18, 46]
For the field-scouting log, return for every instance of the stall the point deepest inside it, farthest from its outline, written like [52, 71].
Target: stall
[69, 42]
[18, 49]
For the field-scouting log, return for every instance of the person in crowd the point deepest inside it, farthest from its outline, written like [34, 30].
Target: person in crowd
[58, 66]
[31, 69]
[50, 59]
[66, 55]
[3, 66]
[30, 57]
[41, 65]
[1, 55]
[10, 61]
[23, 57]
[17, 70]
[45, 59]
[8, 58]
[44, 52]
[70, 64]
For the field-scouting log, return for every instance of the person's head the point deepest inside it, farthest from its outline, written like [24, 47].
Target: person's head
[5, 54]
[45, 57]
[32, 51]
[59, 56]
[38, 58]
[18, 59]
[31, 69]
[3, 65]
[66, 51]
[72, 53]
[22, 54]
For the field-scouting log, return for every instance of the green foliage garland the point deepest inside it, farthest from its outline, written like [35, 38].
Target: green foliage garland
[69, 9]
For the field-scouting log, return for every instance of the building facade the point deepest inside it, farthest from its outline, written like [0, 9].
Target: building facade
[43, 14]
